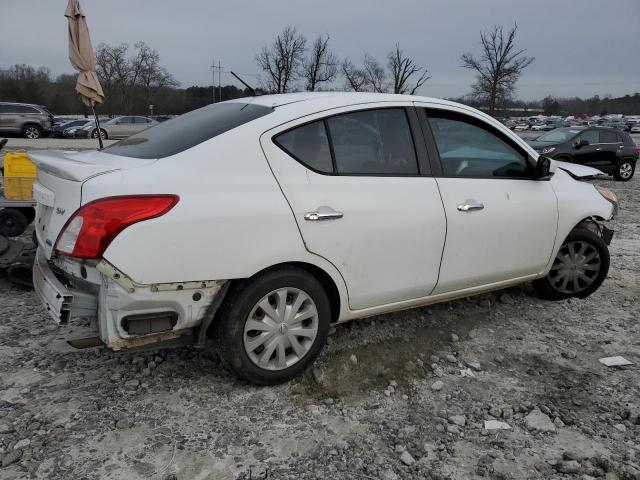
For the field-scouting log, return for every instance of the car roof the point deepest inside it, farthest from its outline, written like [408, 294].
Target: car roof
[346, 98]
[24, 104]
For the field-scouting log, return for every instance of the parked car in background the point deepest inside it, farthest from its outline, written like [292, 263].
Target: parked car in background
[118, 127]
[607, 149]
[520, 127]
[59, 128]
[635, 128]
[270, 218]
[28, 120]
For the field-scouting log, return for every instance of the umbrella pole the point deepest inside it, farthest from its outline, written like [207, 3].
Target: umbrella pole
[97, 126]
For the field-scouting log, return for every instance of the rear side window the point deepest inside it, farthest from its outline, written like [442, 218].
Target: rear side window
[309, 145]
[607, 136]
[373, 142]
[369, 142]
[188, 130]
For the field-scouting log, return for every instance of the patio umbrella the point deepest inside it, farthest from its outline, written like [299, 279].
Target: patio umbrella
[83, 59]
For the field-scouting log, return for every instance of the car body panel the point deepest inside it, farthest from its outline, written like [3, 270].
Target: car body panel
[391, 224]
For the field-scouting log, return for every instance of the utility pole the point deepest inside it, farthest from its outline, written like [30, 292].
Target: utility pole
[213, 79]
[219, 82]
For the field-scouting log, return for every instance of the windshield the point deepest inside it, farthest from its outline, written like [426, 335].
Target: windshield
[188, 130]
[558, 135]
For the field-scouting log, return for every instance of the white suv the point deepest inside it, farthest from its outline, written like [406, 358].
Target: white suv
[262, 221]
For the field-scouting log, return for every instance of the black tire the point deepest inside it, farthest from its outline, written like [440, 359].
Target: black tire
[12, 222]
[238, 305]
[545, 286]
[31, 131]
[94, 133]
[28, 212]
[625, 170]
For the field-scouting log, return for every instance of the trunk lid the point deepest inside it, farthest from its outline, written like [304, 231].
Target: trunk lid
[58, 189]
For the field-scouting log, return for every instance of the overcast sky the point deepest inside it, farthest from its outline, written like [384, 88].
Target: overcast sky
[582, 47]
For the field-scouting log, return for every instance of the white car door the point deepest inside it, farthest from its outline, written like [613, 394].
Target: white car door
[359, 189]
[501, 222]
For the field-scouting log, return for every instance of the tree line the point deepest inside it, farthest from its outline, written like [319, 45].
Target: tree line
[133, 78]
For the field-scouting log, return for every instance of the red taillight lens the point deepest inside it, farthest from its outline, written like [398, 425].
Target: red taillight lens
[638, 150]
[91, 229]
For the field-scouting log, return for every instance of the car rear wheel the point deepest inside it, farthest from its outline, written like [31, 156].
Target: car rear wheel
[579, 268]
[272, 327]
[625, 170]
[13, 223]
[94, 133]
[31, 131]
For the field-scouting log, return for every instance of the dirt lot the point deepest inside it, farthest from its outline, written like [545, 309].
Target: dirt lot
[400, 396]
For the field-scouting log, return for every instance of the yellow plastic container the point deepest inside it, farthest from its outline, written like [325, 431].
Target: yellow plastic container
[19, 175]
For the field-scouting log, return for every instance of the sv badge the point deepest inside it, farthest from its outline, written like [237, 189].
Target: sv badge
[60, 211]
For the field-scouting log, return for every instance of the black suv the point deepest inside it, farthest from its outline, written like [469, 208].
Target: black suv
[31, 121]
[607, 149]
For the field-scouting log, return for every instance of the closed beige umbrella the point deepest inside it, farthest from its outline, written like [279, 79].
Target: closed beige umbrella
[83, 59]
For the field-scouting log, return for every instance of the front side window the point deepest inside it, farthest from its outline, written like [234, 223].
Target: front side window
[591, 136]
[469, 149]
[188, 130]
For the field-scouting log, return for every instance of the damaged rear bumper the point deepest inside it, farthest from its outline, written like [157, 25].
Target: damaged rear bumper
[62, 303]
[126, 314]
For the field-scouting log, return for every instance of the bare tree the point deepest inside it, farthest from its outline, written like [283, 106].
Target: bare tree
[321, 65]
[402, 69]
[499, 66]
[282, 60]
[354, 76]
[375, 76]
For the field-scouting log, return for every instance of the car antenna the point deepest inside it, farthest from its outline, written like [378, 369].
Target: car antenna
[251, 90]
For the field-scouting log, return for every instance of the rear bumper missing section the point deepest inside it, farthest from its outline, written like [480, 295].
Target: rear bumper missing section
[128, 315]
[61, 302]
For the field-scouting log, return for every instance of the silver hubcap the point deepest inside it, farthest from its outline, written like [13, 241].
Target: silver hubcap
[625, 170]
[281, 329]
[575, 268]
[32, 132]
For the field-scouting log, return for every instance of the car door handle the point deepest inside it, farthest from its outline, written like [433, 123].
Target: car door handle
[323, 213]
[469, 205]
[598, 149]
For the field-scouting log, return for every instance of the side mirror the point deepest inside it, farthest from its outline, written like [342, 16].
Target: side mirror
[543, 168]
[582, 143]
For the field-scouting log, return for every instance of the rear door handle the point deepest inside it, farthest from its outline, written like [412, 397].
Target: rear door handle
[469, 205]
[598, 149]
[323, 213]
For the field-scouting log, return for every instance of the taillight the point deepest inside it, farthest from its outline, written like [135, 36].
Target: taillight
[90, 230]
[638, 150]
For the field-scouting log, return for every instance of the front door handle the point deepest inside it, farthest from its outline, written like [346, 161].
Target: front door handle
[469, 205]
[598, 149]
[323, 213]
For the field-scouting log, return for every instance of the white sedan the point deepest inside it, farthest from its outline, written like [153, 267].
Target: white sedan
[262, 221]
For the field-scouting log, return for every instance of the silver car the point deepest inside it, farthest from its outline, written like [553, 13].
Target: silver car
[119, 127]
[28, 120]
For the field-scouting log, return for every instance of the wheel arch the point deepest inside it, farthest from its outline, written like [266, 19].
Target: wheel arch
[317, 272]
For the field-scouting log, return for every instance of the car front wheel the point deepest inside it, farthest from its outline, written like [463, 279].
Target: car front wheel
[624, 172]
[272, 327]
[579, 268]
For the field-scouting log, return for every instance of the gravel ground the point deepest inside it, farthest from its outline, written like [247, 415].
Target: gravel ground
[398, 396]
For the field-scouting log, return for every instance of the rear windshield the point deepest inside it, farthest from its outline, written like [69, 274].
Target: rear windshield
[181, 133]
